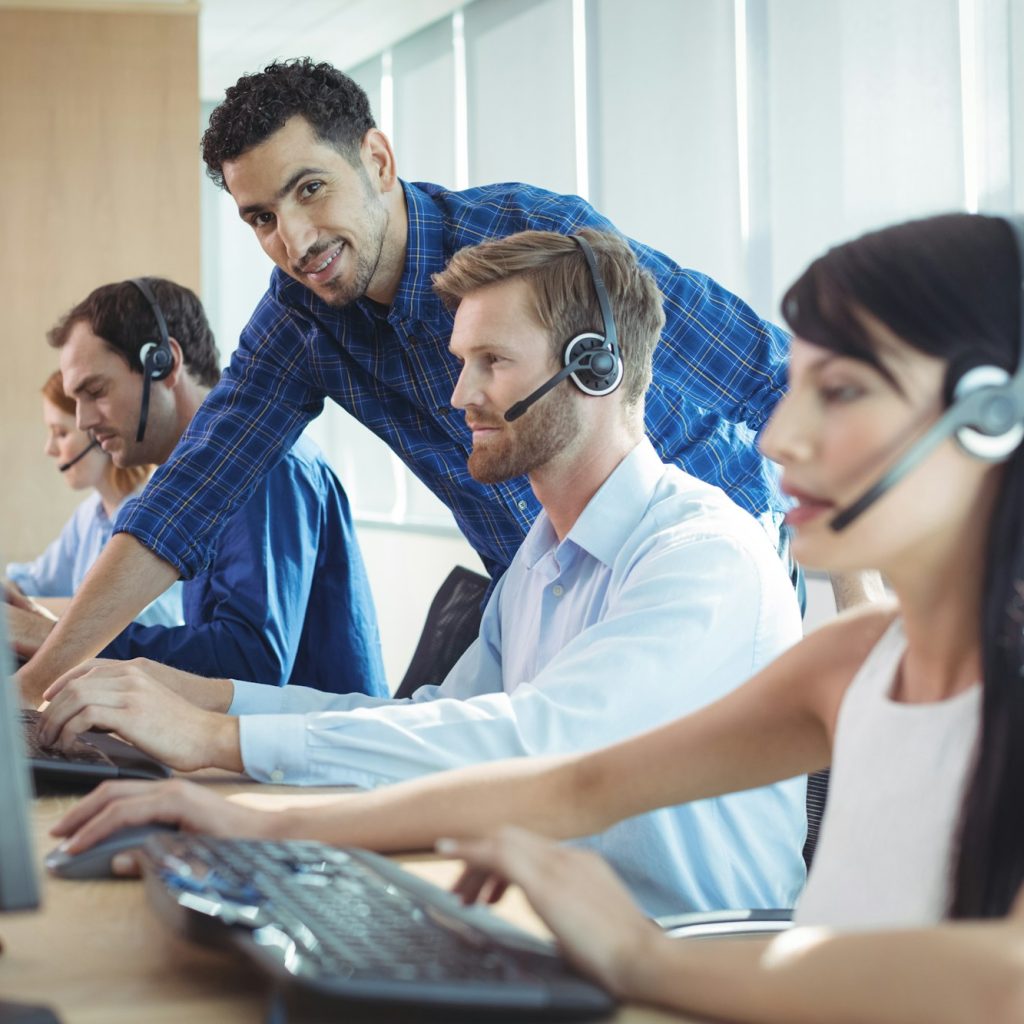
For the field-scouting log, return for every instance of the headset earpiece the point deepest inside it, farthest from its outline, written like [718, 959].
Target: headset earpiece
[156, 356]
[599, 365]
[592, 360]
[993, 413]
[157, 361]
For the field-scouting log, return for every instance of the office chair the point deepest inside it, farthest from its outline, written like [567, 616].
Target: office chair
[453, 622]
[735, 923]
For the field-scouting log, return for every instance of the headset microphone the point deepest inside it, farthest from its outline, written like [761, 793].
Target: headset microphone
[156, 355]
[592, 360]
[65, 466]
[986, 415]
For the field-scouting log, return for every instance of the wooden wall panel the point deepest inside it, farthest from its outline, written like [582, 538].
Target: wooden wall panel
[99, 181]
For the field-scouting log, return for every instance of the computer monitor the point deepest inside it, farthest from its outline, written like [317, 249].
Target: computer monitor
[19, 883]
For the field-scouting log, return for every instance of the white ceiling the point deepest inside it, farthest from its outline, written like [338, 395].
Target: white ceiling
[236, 36]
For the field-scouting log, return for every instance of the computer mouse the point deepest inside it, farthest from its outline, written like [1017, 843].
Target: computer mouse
[97, 861]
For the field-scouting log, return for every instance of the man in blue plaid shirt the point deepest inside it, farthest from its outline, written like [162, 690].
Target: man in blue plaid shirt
[350, 315]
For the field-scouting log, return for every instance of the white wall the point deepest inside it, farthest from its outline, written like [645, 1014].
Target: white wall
[406, 567]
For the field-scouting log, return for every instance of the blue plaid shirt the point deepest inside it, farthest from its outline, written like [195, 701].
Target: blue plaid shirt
[718, 372]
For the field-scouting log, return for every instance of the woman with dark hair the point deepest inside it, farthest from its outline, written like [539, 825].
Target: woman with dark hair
[917, 706]
[58, 571]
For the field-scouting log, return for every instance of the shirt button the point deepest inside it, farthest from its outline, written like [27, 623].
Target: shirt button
[558, 590]
[277, 775]
[521, 504]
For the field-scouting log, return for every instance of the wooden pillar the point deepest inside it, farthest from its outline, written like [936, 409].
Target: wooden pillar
[99, 181]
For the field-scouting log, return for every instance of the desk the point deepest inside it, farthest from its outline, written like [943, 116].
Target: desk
[96, 954]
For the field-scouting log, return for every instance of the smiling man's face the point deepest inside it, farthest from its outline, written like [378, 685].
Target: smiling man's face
[322, 220]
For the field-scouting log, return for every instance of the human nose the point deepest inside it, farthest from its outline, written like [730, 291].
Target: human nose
[467, 390]
[786, 436]
[85, 416]
[50, 447]
[296, 233]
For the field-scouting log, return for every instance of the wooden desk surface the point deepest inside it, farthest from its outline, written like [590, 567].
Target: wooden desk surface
[96, 954]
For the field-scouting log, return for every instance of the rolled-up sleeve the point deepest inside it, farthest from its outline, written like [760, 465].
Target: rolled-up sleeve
[246, 615]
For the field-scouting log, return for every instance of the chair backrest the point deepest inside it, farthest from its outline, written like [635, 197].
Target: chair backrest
[817, 794]
[453, 622]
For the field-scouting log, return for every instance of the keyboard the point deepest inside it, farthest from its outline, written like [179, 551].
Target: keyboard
[82, 752]
[342, 928]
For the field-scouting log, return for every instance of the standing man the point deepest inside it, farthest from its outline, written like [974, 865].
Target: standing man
[639, 595]
[282, 595]
[350, 315]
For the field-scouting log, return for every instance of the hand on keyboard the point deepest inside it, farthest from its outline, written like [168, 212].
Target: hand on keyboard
[598, 926]
[117, 805]
[125, 699]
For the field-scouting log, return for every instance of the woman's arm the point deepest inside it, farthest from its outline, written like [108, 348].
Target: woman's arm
[954, 974]
[774, 727]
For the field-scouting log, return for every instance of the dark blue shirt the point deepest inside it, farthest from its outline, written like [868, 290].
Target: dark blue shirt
[718, 372]
[286, 598]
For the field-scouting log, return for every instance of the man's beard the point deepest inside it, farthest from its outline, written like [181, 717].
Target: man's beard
[343, 291]
[371, 248]
[531, 442]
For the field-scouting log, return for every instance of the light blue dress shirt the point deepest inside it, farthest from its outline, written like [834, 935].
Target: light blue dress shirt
[663, 597]
[60, 569]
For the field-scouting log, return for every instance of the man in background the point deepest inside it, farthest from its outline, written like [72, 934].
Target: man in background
[282, 596]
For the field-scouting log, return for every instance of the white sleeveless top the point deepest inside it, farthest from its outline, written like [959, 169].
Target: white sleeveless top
[884, 858]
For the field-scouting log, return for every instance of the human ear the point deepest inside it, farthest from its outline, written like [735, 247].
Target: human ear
[379, 159]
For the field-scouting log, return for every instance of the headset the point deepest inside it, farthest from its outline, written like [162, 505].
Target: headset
[593, 361]
[986, 414]
[155, 354]
[65, 466]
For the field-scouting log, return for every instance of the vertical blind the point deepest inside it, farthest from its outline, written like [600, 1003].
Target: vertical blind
[741, 137]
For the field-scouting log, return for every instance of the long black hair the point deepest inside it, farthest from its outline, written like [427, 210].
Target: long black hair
[950, 286]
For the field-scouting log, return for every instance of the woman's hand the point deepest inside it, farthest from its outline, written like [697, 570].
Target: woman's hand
[597, 924]
[193, 808]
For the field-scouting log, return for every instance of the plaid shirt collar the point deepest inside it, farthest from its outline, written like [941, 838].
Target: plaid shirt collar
[425, 255]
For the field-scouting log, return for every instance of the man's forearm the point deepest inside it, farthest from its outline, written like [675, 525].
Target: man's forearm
[125, 578]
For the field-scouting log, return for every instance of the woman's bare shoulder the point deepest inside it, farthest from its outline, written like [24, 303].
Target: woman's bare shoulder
[829, 657]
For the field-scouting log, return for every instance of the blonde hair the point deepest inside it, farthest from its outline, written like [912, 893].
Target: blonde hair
[125, 480]
[565, 302]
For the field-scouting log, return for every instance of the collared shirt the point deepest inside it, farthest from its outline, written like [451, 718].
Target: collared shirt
[718, 373]
[60, 569]
[286, 600]
[662, 597]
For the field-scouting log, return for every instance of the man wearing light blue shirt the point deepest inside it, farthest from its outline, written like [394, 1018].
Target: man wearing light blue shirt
[639, 594]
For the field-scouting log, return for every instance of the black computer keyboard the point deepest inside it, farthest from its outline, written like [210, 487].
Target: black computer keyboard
[349, 926]
[82, 752]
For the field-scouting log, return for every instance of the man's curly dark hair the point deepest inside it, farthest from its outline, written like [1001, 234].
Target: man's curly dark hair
[122, 316]
[258, 105]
